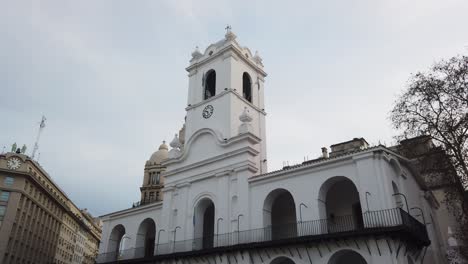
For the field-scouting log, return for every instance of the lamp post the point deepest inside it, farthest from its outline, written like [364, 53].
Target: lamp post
[238, 226]
[217, 230]
[422, 214]
[159, 235]
[300, 211]
[406, 200]
[367, 200]
[175, 232]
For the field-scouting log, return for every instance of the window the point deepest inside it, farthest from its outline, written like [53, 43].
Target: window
[158, 177]
[151, 196]
[2, 212]
[9, 181]
[4, 196]
[247, 87]
[209, 83]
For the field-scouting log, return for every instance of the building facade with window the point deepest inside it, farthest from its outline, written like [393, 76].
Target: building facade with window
[219, 204]
[38, 222]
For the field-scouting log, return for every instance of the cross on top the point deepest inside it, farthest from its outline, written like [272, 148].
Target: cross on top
[228, 28]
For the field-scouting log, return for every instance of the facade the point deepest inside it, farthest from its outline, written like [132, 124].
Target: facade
[354, 204]
[38, 222]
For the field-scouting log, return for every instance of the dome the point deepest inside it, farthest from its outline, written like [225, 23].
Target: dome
[160, 155]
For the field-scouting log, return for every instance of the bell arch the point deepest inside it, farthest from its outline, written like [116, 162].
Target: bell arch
[115, 243]
[282, 260]
[209, 84]
[340, 205]
[279, 213]
[346, 256]
[204, 221]
[247, 86]
[145, 238]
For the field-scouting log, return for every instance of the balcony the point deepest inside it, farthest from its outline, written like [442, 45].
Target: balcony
[391, 222]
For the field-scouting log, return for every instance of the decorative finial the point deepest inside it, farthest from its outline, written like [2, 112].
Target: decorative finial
[23, 149]
[245, 118]
[257, 58]
[229, 34]
[196, 53]
[175, 143]
[13, 147]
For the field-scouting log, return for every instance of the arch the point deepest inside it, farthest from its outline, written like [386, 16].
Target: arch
[279, 213]
[145, 238]
[282, 260]
[115, 243]
[204, 220]
[396, 167]
[340, 205]
[397, 198]
[209, 84]
[346, 256]
[247, 86]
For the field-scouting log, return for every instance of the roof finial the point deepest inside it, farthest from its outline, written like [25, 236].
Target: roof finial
[196, 53]
[229, 34]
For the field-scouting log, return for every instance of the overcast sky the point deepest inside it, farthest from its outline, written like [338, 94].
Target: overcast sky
[110, 77]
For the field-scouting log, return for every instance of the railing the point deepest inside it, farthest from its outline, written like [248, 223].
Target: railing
[371, 221]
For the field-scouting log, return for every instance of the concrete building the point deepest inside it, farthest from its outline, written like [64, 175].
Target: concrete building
[357, 204]
[38, 222]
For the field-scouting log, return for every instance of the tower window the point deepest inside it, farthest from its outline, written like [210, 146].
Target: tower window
[158, 177]
[209, 84]
[247, 87]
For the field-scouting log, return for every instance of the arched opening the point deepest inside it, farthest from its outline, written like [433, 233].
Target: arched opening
[247, 87]
[398, 201]
[210, 84]
[340, 205]
[282, 260]
[115, 242]
[347, 256]
[145, 239]
[279, 213]
[204, 224]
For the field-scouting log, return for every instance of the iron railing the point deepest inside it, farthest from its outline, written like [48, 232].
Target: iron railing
[369, 222]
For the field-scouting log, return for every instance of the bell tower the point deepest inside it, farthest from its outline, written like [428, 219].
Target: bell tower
[225, 94]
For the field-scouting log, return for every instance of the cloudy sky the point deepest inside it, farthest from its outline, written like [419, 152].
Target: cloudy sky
[109, 76]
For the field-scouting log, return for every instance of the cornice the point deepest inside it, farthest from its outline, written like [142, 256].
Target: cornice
[221, 52]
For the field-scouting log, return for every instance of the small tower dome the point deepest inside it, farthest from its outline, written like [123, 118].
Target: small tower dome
[159, 155]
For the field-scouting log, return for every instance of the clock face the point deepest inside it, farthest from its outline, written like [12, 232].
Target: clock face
[208, 111]
[13, 163]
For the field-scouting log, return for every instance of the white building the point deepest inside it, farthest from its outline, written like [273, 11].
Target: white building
[219, 204]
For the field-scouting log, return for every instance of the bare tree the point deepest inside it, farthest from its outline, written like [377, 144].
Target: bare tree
[436, 104]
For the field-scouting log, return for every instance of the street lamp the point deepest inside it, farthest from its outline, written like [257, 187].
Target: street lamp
[406, 200]
[159, 235]
[175, 232]
[422, 214]
[367, 200]
[300, 211]
[217, 230]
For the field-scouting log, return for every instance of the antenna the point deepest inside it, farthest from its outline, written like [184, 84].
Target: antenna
[36, 143]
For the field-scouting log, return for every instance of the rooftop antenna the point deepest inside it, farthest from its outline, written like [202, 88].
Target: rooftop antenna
[36, 144]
